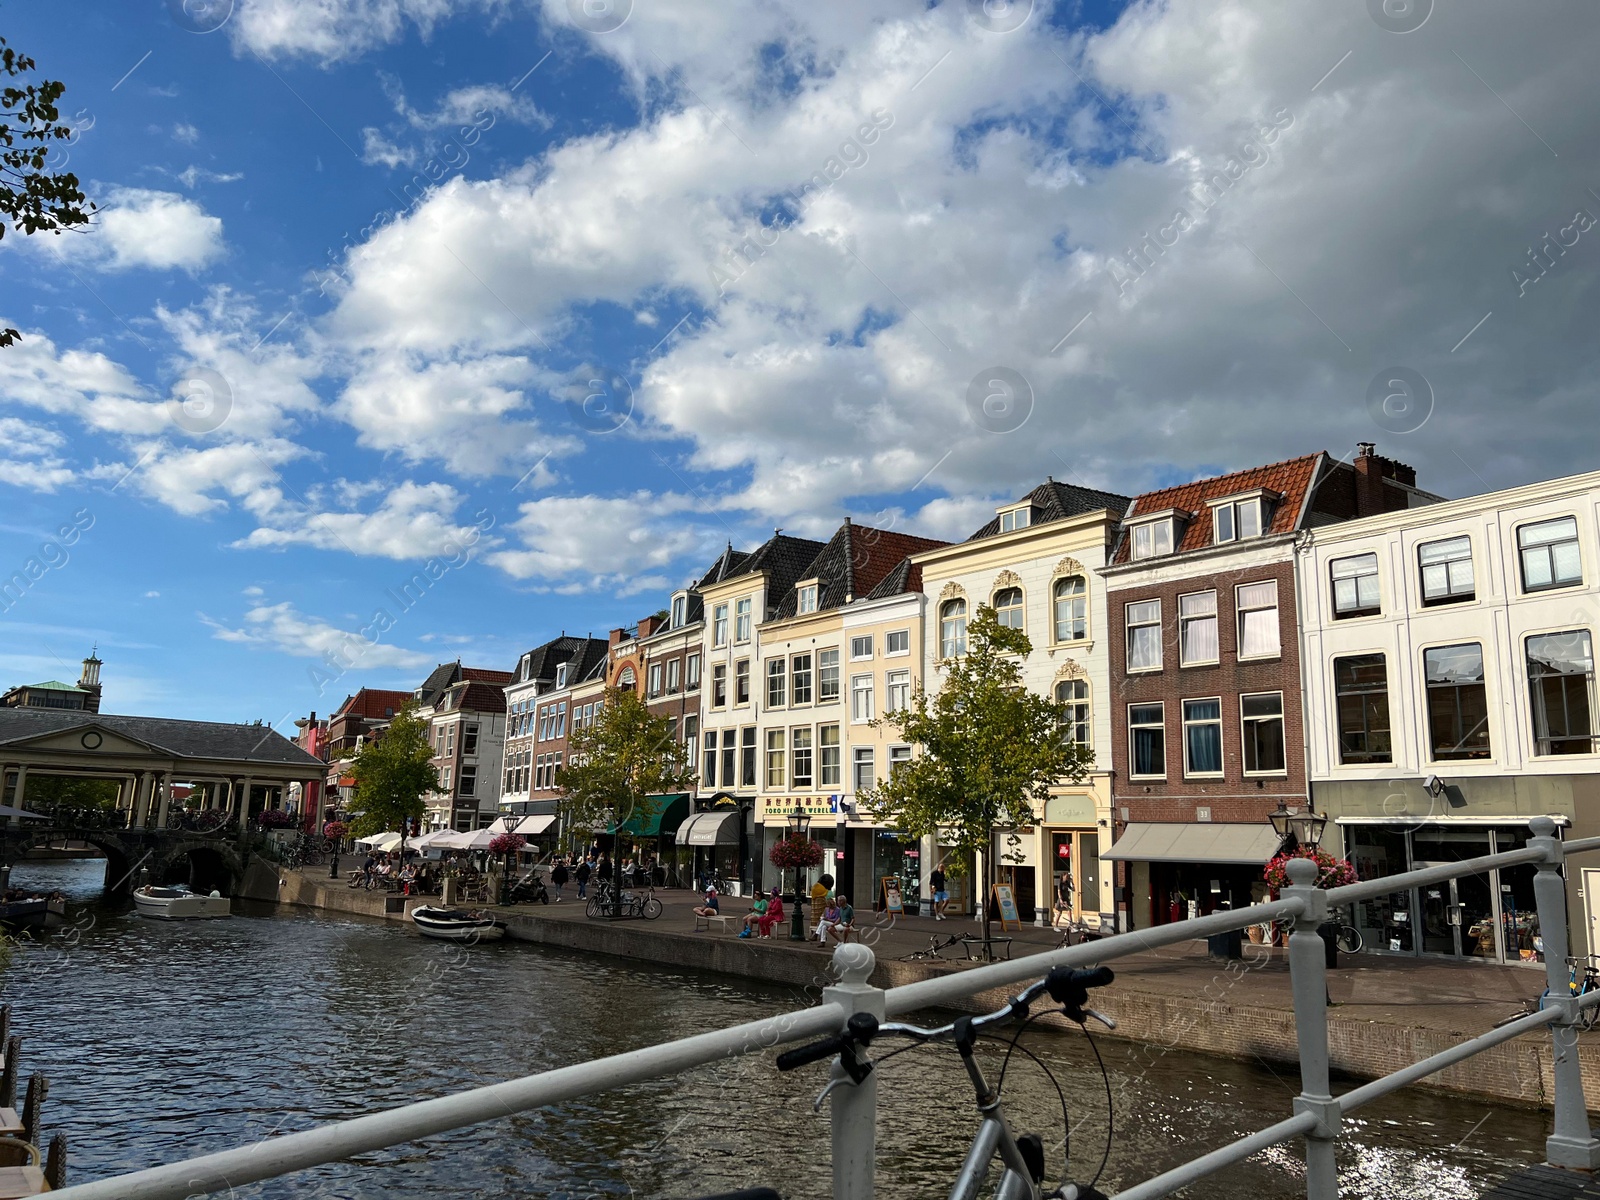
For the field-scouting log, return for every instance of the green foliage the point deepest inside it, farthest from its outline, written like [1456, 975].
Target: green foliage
[46, 793]
[33, 199]
[617, 766]
[392, 774]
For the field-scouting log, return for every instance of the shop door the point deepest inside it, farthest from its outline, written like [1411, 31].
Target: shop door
[1458, 917]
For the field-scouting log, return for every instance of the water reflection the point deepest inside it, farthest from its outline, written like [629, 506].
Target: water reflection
[168, 1040]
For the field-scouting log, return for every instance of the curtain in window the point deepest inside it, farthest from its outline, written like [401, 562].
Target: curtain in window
[1258, 618]
[1144, 635]
[1203, 736]
[1198, 619]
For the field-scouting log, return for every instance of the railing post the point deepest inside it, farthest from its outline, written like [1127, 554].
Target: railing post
[1572, 1144]
[1308, 968]
[854, 1110]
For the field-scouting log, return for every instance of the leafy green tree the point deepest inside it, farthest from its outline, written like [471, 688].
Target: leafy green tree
[621, 766]
[33, 199]
[47, 793]
[990, 751]
[392, 774]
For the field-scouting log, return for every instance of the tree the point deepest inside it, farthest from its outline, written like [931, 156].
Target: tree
[392, 774]
[33, 199]
[990, 751]
[621, 766]
[47, 793]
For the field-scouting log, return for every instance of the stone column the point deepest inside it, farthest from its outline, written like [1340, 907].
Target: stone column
[22, 781]
[164, 798]
[136, 811]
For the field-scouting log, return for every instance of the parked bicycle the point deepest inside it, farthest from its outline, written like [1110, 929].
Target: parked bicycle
[1583, 977]
[641, 903]
[934, 949]
[1022, 1156]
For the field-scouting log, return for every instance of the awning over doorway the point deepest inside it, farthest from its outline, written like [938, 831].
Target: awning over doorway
[1196, 842]
[710, 829]
[667, 814]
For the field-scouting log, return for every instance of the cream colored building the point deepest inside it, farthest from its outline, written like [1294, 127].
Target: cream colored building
[1036, 563]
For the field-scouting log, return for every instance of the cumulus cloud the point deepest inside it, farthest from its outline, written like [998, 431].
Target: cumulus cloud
[578, 543]
[414, 521]
[332, 30]
[141, 228]
[29, 456]
[283, 628]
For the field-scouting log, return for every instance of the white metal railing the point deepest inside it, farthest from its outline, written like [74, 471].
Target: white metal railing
[1316, 1117]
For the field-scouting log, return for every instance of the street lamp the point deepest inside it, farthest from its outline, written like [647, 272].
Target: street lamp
[799, 826]
[1303, 826]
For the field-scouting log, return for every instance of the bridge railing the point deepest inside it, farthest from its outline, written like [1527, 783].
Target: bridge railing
[1316, 1116]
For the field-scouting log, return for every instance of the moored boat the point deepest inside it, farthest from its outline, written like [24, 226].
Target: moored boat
[178, 903]
[457, 924]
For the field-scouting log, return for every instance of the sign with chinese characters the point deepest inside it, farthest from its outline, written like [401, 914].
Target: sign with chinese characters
[811, 806]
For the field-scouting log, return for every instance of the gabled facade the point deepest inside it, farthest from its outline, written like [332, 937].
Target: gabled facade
[1036, 564]
[539, 705]
[466, 727]
[364, 714]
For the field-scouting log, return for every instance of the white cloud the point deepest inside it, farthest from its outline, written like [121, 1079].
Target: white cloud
[415, 521]
[192, 175]
[283, 628]
[581, 543]
[379, 151]
[29, 456]
[185, 133]
[197, 482]
[137, 227]
[84, 384]
[332, 30]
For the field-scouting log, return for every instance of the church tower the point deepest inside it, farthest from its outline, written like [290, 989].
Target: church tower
[89, 681]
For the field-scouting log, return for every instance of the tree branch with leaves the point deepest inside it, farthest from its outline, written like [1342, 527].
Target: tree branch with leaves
[989, 751]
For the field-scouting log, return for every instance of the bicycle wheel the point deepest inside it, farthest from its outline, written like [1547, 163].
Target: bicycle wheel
[652, 909]
[1349, 939]
[594, 909]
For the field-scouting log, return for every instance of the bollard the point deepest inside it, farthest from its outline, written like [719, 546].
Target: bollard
[1573, 1143]
[1308, 969]
[854, 1114]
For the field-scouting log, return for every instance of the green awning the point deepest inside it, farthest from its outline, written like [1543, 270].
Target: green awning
[667, 813]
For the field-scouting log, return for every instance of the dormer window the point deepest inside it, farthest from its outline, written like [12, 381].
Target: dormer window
[1153, 538]
[561, 676]
[1239, 517]
[680, 608]
[1014, 518]
[806, 598]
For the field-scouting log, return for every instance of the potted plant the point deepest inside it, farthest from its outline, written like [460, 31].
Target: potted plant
[507, 846]
[1331, 873]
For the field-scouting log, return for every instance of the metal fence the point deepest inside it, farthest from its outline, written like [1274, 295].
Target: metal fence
[1316, 1114]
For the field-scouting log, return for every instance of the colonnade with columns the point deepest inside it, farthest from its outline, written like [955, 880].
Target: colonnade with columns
[146, 794]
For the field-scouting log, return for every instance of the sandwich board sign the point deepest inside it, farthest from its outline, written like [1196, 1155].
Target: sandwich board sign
[891, 895]
[1006, 901]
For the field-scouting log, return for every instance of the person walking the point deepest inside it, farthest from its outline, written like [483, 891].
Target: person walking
[941, 892]
[582, 876]
[558, 877]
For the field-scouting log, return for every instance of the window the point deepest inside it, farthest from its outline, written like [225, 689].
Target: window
[1355, 586]
[680, 605]
[655, 679]
[709, 770]
[1458, 702]
[1144, 635]
[1152, 538]
[729, 749]
[692, 675]
[674, 675]
[806, 602]
[1071, 609]
[952, 629]
[1202, 737]
[544, 722]
[828, 756]
[1561, 682]
[898, 757]
[1257, 606]
[561, 676]
[469, 740]
[800, 679]
[719, 625]
[860, 647]
[555, 768]
[1147, 732]
[741, 620]
[1236, 519]
[860, 697]
[1446, 570]
[747, 757]
[719, 685]
[1261, 721]
[862, 773]
[469, 781]
[561, 723]
[775, 754]
[627, 679]
[1197, 628]
[827, 676]
[800, 757]
[897, 691]
[1074, 693]
[691, 735]
[444, 780]
[1017, 518]
[775, 682]
[741, 681]
[897, 643]
[1549, 553]
[1008, 607]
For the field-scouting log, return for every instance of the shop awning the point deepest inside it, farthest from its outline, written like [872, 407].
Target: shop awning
[1200, 842]
[533, 826]
[667, 813]
[710, 829]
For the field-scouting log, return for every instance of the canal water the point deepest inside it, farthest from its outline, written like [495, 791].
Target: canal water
[164, 1041]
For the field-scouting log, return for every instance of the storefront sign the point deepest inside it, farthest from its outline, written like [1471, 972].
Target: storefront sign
[811, 806]
[1069, 810]
[1006, 901]
[891, 895]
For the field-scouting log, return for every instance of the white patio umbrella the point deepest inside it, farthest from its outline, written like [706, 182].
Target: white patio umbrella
[431, 839]
[380, 841]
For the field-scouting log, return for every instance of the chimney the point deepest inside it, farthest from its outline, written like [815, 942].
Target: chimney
[617, 636]
[1372, 469]
[648, 625]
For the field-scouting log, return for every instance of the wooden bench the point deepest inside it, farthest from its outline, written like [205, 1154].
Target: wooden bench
[705, 923]
[16, 1182]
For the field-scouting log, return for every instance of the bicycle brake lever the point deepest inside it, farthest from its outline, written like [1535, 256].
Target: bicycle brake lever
[1101, 1017]
[832, 1083]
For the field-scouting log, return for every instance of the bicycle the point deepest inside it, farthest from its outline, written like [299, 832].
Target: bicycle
[933, 950]
[1587, 1017]
[1022, 1156]
[632, 904]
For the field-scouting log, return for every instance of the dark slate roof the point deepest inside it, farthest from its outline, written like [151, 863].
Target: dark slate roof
[1052, 501]
[729, 563]
[905, 577]
[180, 739]
[854, 562]
[785, 559]
[582, 652]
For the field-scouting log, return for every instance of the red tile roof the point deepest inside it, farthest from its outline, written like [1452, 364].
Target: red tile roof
[372, 703]
[876, 552]
[1292, 478]
[485, 675]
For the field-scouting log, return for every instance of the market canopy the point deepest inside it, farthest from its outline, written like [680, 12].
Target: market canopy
[710, 829]
[430, 839]
[665, 815]
[1196, 843]
[477, 839]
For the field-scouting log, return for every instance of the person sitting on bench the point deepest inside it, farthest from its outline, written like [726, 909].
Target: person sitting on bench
[708, 906]
[773, 915]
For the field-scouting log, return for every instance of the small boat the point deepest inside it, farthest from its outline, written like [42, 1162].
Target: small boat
[457, 924]
[21, 911]
[178, 903]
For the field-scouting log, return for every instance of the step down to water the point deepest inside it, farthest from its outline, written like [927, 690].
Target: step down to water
[1547, 1183]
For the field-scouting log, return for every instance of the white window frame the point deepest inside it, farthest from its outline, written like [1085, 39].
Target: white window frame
[796, 673]
[777, 681]
[777, 760]
[806, 599]
[857, 654]
[1230, 514]
[952, 647]
[1359, 611]
[741, 619]
[1184, 622]
[899, 755]
[741, 676]
[1450, 595]
[863, 756]
[1145, 539]
[1240, 611]
[1013, 519]
[719, 625]
[1088, 711]
[674, 676]
[822, 666]
[830, 767]
[1522, 555]
[1159, 624]
[861, 686]
[1187, 724]
[1244, 737]
[1020, 608]
[796, 734]
[888, 640]
[719, 676]
[896, 691]
[680, 608]
[654, 676]
[1055, 609]
[692, 673]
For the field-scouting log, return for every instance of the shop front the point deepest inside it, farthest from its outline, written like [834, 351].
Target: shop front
[1180, 870]
[646, 836]
[898, 857]
[823, 813]
[1073, 840]
[709, 842]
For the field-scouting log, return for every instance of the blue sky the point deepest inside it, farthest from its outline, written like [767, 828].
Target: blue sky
[398, 238]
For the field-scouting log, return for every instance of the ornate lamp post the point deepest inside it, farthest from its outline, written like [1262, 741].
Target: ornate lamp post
[799, 826]
[1303, 827]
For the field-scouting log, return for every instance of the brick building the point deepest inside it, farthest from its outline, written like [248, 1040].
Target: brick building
[553, 687]
[365, 714]
[1207, 732]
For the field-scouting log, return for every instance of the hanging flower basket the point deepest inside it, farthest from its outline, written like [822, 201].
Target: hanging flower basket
[795, 852]
[1331, 872]
[507, 843]
[276, 818]
[335, 830]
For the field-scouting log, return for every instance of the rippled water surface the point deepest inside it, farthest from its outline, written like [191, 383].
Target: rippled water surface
[164, 1041]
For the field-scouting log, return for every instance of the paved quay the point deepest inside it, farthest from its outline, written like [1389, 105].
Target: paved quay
[1387, 1012]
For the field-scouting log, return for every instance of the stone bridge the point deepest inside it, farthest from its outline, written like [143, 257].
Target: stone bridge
[204, 861]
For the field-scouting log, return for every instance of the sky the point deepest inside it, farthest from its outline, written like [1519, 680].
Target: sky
[416, 329]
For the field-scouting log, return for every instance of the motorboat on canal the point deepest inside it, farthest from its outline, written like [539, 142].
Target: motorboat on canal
[178, 903]
[457, 924]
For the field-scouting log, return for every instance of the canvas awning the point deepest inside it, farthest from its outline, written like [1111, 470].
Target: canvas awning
[1196, 842]
[533, 826]
[710, 829]
[665, 815]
